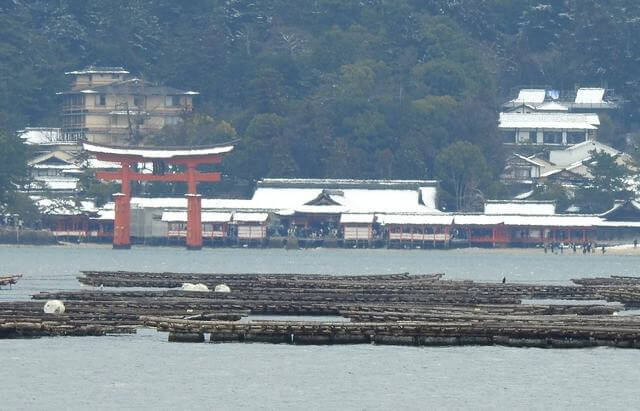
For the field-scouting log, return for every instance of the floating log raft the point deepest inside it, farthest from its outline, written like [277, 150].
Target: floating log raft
[248, 281]
[607, 281]
[399, 308]
[561, 332]
[9, 280]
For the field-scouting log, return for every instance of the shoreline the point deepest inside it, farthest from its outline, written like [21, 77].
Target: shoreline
[619, 249]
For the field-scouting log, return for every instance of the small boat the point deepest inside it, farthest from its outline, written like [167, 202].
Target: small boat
[9, 280]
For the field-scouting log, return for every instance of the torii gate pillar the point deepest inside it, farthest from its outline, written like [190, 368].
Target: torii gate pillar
[122, 222]
[194, 221]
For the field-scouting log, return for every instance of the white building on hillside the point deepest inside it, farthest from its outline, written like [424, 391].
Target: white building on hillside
[547, 128]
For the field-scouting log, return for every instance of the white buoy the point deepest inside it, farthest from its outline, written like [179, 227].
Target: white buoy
[54, 307]
[194, 287]
[222, 288]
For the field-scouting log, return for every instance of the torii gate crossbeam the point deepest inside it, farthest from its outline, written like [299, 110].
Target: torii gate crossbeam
[190, 158]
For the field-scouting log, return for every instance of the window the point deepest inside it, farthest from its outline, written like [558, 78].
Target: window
[552, 137]
[172, 101]
[575, 137]
[115, 76]
[101, 100]
[73, 100]
[533, 136]
[138, 101]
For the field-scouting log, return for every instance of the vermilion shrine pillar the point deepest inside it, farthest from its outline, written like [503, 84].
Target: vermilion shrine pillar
[122, 221]
[194, 221]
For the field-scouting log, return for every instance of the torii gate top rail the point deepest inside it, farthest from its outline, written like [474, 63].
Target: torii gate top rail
[190, 157]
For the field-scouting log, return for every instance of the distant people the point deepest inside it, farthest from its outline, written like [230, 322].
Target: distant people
[573, 245]
[635, 243]
[603, 250]
[504, 280]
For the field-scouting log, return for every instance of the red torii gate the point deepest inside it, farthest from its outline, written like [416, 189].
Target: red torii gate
[188, 157]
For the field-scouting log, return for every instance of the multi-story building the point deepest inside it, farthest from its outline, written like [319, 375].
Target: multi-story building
[106, 105]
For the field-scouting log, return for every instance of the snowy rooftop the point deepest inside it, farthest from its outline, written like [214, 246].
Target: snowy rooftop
[589, 96]
[64, 206]
[552, 106]
[207, 217]
[354, 196]
[519, 207]
[98, 70]
[43, 136]
[158, 152]
[357, 218]
[566, 121]
[250, 217]
[531, 96]
[415, 219]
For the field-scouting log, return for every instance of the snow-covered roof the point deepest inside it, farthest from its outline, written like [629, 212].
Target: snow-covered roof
[181, 203]
[98, 70]
[53, 183]
[552, 106]
[589, 95]
[355, 196]
[96, 164]
[105, 215]
[357, 218]
[320, 209]
[521, 207]
[524, 196]
[415, 219]
[532, 160]
[250, 217]
[619, 224]
[157, 152]
[562, 121]
[552, 221]
[43, 136]
[620, 204]
[59, 156]
[64, 206]
[206, 217]
[528, 220]
[572, 168]
[531, 96]
[579, 152]
[477, 219]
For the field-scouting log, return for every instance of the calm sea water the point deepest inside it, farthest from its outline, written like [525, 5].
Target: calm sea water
[145, 371]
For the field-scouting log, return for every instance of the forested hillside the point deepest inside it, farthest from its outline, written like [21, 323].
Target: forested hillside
[327, 88]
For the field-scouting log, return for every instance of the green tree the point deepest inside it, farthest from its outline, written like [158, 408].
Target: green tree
[553, 192]
[13, 165]
[609, 181]
[464, 174]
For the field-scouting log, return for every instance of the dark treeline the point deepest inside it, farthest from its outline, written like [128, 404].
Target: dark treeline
[328, 88]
